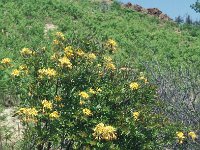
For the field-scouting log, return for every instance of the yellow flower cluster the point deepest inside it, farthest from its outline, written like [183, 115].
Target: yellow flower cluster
[84, 95]
[93, 91]
[58, 98]
[15, 72]
[134, 86]
[110, 66]
[82, 102]
[54, 115]
[136, 115]
[102, 132]
[26, 52]
[6, 61]
[108, 63]
[180, 137]
[50, 73]
[69, 51]
[111, 44]
[23, 68]
[192, 135]
[87, 112]
[28, 111]
[80, 52]
[47, 104]
[60, 35]
[144, 79]
[56, 42]
[65, 62]
[91, 56]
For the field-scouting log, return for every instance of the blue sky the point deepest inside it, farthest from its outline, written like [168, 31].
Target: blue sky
[171, 7]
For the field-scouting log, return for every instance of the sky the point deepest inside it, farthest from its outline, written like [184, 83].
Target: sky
[172, 8]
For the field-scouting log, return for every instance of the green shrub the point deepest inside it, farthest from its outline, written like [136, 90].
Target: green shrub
[79, 99]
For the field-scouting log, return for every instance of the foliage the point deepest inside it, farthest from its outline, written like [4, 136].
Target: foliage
[43, 77]
[76, 98]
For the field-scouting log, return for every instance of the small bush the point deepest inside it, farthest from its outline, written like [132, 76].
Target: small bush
[75, 98]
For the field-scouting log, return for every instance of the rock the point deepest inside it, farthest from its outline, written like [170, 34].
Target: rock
[138, 8]
[164, 17]
[154, 11]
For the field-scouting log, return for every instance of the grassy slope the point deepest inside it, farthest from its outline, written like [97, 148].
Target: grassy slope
[140, 37]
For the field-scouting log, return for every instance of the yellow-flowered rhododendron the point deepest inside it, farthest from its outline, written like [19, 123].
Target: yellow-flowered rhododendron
[65, 62]
[84, 95]
[180, 136]
[26, 52]
[134, 86]
[47, 104]
[6, 61]
[50, 73]
[58, 98]
[15, 72]
[136, 115]
[192, 135]
[103, 132]
[87, 112]
[54, 115]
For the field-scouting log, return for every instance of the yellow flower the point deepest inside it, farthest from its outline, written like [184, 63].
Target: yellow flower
[98, 65]
[33, 112]
[134, 85]
[50, 72]
[54, 115]
[54, 56]
[99, 90]
[110, 66]
[65, 62]
[87, 112]
[104, 132]
[80, 52]
[28, 111]
[56, 42]
[108, 59]
[111, 42]
[91, 56]
[58, 98]
[180, 137]
[47, 104]
[82, 102]
[144, 79]
[6, 61]
[92, 91]
[26, 52]
[15, 72]
[47, 72]
[192, 135]
[84, 95]
[60, 35]
[69, 51]
[23, 67]
[136, 115]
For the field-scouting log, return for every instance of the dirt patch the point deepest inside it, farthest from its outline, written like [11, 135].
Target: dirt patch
[11, 128]
[48, 27]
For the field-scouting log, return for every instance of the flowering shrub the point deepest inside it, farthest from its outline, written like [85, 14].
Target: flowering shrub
[77, 99]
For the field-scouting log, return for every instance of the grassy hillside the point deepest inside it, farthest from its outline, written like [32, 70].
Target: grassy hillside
[140, 37]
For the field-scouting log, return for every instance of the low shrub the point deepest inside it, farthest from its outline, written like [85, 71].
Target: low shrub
[74, 96]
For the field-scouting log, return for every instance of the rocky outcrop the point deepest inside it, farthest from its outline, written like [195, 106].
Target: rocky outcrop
[151, 11]
[154, 11]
